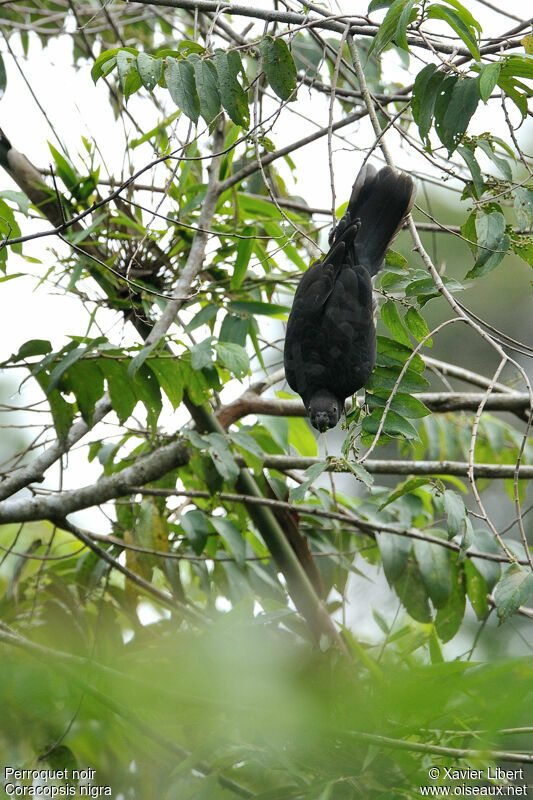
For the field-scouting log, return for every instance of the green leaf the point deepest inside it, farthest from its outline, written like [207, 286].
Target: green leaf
[436, 570]
[456, 21]
[391, 25]
[386, 377]
[125, 62]
[207, 87]
[254, 454]
[523, 250]
[394, 554]
[179, 77]
[12, 277]
[484, 542]
[376, 5]
[455, 512]
[476, 589]
[140, 358]
[360, 473]
[425, 288]
[416, 324]
[147, 389]
[527, 41]
[188, 46]
[149, 70]
[404, 404]
[411, 591]
[231, 536]
[392, 353]
[64, 169]
[97, 70]
[170, 379]
[34, 347]
[244, 251]
[87, 382]
[425, 91]
[523, 207]
[408, 486]
[465, 15]
[301, 438]
[509, 86]
[514, 588]
[121, 392]
[234, 329]
[64, 364]
[22, 200]
[234, 357]
[279, 66]
[201, 354]
[3, 76]
[449, 617]
[253, 308]
[195, 382]
[493, 242]
[458, 108]
[194, 523]
[311, 474]
[407, 15]
[488, 78]
[233, 97]
[223, 458]
[206, 314]
[518, 66]
[475, 170]
[394, 425]
[392, 320]
[278, 428]
[62, 412]
[501, 163]
[394, 259]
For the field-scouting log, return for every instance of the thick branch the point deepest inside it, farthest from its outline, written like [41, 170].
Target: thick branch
[196, 255]
[438, 402]
[293, 18]
[397, 467]
[55, 507]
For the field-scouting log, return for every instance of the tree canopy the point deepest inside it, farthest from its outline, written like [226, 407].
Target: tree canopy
[199, 595]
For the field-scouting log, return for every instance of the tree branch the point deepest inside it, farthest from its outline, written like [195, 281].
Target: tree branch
[293, 18]
[437, 402]
[480, 756]
[146, 469]
[34, 472]
[195, 259]
[299, 586]
[346, 517]
[397, 467]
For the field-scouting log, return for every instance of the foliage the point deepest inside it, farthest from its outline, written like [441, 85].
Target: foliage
[226, 528]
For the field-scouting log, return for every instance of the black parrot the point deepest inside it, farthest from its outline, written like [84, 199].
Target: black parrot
[330, 344]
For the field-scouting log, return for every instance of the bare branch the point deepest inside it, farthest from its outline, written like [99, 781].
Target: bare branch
[34, 472]
[148, 468]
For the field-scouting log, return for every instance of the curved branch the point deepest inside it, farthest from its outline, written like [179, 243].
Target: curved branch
[146, 469]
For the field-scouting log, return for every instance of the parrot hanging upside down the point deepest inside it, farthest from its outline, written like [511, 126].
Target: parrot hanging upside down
[330, 344]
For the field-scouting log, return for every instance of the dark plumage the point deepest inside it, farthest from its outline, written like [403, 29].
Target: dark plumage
[330, 345]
